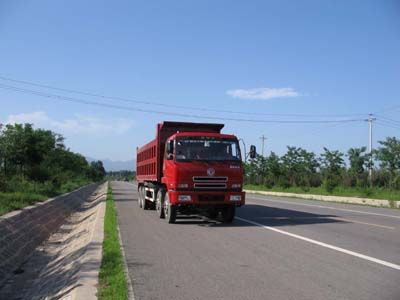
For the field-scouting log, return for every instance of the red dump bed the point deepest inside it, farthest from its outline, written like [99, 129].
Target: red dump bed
[149, 158]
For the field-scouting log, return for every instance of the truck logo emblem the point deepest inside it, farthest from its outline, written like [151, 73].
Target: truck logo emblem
[210, 172]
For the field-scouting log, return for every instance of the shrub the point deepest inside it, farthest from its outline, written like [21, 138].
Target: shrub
[268, 182]
[330, 184]
[305, 188]
[368, 191]
[3, 183]
[396, 183]
[19, 183]
[283, 182]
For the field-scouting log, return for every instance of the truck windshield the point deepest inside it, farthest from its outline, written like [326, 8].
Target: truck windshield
[206, 148]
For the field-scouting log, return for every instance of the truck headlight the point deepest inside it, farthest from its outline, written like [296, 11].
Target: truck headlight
[184, 198]
[183, 186]
[236, 185]
[235, 198]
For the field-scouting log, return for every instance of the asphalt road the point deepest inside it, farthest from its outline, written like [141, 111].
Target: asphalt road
[276, 248]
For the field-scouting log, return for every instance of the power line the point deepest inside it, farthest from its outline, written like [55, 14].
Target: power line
[389, 120]
[4, 78]
[381, 123]
[127, 108]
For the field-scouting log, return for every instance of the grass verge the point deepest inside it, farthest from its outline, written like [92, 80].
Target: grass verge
[112, 276]
[374, 193]
[32, 193]
[18, 200]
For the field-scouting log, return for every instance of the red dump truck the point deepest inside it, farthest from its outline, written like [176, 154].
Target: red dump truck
[190, 168]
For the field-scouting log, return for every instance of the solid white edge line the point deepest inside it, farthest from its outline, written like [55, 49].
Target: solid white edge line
[323, 206]
[342, 250]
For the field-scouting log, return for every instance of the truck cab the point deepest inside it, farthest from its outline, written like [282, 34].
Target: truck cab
[204, 171]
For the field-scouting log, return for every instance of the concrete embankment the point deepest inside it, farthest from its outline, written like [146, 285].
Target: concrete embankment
[350, 200]
[24, 230]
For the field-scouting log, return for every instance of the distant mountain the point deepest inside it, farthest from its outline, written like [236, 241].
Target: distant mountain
[116, 165]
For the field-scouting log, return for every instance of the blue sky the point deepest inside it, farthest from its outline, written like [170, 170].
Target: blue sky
[320, 58]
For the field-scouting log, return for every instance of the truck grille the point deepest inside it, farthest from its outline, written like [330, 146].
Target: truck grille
[210, 185]
[210, 182]
[211, 198]
[213, 179]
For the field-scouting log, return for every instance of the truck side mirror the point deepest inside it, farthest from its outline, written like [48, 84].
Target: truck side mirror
[170, 149]
[253, 152]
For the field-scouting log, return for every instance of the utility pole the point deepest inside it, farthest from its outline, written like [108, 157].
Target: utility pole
[370, 120]
[263, 138]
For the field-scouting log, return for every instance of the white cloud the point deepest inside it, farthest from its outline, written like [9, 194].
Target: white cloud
[79, 124]
[263, 93]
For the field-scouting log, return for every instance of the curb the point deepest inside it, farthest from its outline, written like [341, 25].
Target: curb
[339, 199]
[88, 277]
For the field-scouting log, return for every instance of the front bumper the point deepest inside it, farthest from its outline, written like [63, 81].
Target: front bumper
[207, 198]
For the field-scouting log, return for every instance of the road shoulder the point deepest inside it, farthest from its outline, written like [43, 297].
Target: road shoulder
[338, 199]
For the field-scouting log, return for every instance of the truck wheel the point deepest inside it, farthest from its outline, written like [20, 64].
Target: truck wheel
[146, 204]
[160, 203]
[228, 214]
[140, 196]
[169, 210]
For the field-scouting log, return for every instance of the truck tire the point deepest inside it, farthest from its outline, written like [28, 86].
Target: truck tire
[228, 214]
[146, 204]
[169, 210]
[140, 197]
[160, 203]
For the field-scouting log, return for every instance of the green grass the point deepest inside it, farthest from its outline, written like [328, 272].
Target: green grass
[112, 277]
[18, 200]
[28, 193]
[374, 193]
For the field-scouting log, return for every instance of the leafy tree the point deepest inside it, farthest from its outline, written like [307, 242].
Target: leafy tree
[358, 160]
[332, 161]
[30, 155]
[96, 170]
[273, 168]
[389, 154]
[333, 164]
[253, 170]
[24, 148]
[299, 166]
[291, 164]
[359, 163]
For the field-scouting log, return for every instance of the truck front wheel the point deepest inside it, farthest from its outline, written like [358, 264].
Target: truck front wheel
[169, 210]
[228, 214]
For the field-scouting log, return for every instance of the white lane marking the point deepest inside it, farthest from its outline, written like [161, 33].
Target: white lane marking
[366, 257]
[327, 218]
[327, 207]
